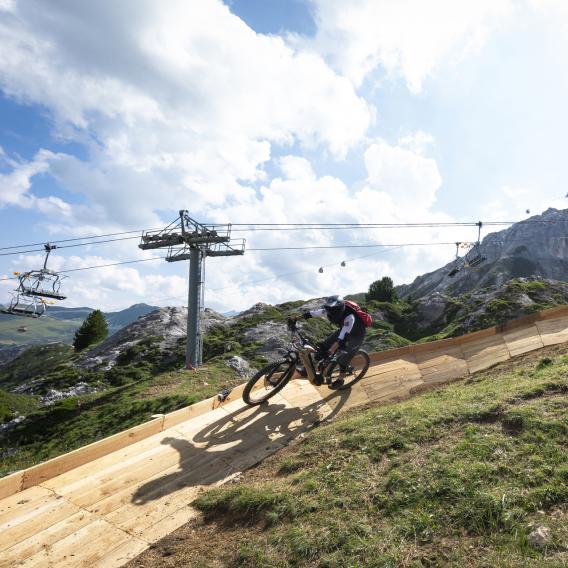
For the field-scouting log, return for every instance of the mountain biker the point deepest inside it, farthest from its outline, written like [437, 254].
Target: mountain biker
[347, 339]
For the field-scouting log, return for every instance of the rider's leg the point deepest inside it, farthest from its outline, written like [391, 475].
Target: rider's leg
[326, 344]
[344, 356]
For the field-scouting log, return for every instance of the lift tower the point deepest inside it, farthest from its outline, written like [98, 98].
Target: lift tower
[186, 239]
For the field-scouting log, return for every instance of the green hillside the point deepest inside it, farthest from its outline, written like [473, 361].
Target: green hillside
[459, 476]
[38, 330]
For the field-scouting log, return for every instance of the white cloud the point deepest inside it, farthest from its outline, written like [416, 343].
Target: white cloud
[407, 38]
[178, 107]
[183, 108]
[410, 179]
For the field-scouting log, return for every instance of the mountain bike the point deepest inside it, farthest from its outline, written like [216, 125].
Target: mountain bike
[303, 355]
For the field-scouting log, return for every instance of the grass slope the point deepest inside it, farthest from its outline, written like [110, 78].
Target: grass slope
[39, 330]
[453, 477]
[12, 404]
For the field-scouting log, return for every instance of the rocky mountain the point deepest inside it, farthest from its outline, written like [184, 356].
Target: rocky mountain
[537, 247]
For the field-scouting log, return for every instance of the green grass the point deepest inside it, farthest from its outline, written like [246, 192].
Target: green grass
[12, 404]
[34, 363]
[454, 477]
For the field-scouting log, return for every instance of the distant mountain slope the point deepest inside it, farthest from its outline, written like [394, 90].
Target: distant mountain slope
[60, 324]
[536, 247]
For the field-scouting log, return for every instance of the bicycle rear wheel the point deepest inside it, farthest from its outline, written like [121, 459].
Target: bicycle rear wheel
[268, 381]
[356, 370]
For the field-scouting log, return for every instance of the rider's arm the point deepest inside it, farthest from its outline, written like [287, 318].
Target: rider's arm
[346, 328]
[320, 312]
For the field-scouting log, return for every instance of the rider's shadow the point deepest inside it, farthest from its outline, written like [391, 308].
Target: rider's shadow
[234, 443]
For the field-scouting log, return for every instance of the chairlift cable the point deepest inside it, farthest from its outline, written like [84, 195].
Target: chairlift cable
[268, 227]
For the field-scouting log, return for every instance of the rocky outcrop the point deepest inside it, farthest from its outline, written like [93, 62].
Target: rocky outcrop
[482, 307]
[535, 247]
[241, 366]
[169, 324]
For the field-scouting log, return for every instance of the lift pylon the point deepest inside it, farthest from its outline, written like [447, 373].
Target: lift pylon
[187, 239]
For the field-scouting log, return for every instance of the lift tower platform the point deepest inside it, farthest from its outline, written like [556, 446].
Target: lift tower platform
[187, 239]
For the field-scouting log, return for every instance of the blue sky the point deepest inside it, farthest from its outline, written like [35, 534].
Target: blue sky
[273, 111]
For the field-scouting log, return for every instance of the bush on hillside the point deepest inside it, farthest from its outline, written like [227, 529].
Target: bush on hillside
[382, 290]
[93, 330]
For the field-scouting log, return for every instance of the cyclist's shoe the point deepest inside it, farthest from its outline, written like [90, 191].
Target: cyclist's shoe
[337, 383]
[318, 380]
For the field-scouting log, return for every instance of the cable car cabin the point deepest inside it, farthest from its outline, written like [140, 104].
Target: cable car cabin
[41, 283]
[24, 306]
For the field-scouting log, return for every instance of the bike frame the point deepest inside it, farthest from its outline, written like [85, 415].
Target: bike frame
[304, 350]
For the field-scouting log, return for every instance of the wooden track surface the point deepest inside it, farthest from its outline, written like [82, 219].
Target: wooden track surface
[104, 504]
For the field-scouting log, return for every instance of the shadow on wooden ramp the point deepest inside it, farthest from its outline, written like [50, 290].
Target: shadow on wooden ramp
[239, 440]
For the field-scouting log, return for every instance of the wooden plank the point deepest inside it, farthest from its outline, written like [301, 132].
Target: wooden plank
[47, 470]
[392, 375]
[85, 496]
[553, 331]
[381, 356]
[521, 341]
[441, 366]
[190, 427]
[135, 519]
[112, 463]
[11, 484]
[187, 413]
[82, 548]
[185, 474]
[476, 336]
[25, 524]
[485, 353]
[168, 525]
[44, 538]
[524, 321]
[121, 554]
[340, 401]
[10, 505]
[434, 346]
[553, 313]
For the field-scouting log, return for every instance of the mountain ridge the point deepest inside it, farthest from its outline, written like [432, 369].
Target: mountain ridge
[537, 246]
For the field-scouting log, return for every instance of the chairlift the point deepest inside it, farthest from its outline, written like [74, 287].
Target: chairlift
[320, 270]
[43, 283]
[23, 305]
[473, 257]
[343, 264]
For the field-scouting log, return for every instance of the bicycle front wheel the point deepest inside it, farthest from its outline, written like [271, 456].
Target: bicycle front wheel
[268, 381]
[356, 370]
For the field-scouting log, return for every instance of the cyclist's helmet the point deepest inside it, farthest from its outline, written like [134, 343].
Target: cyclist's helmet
[334, 306]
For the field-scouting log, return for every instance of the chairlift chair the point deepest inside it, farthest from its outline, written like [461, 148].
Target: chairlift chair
[23, 305]
[43, 283]
[473, 257]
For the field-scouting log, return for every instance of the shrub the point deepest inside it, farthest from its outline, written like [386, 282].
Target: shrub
[382, 290]
[93, 330]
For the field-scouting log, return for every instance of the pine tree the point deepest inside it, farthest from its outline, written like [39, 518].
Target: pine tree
[382, 290]
[93, 330]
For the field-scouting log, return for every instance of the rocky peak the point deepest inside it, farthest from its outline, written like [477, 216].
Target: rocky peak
[534, 247]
